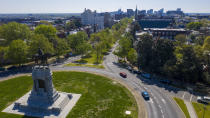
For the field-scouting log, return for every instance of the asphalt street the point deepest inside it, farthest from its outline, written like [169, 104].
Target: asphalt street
[160, 104]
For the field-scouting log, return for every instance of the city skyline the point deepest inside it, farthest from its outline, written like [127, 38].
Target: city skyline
[70, 6]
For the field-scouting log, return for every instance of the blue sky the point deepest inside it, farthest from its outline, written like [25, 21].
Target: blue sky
[77, 6]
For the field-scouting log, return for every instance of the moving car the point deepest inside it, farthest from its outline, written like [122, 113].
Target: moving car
[204, 100]
[124, 75]
[145, 95]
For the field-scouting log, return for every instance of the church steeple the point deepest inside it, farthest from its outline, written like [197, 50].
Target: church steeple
[136, 13]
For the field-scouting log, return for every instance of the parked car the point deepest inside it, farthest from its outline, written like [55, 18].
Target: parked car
[129, 68]
[12, 68]
[166, 81]
[124, 75]
[146, 75]
[2, 69]
[145, 95]
[204, 100]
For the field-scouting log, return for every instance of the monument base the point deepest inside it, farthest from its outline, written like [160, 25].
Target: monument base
[58, 109]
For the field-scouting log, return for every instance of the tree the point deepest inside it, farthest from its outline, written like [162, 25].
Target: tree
[181, 38]
[206, 45]
[40, 41]
[76, 41]
[163, 50]
[61, 47]
[13, 31]
[70, 26]
[98, 50]
[187, 67]
[132, 56]
[134, 28]
[84, 48]
[73, 24]
[144, 49]
[124, 47]
[3, 51]
[48, 31]
[17, 52]
[194, 25]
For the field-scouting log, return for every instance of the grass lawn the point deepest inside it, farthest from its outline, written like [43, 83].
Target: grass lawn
[182, 105]
[101, 97]
[199, 110]
[88, 61]
[86, 65]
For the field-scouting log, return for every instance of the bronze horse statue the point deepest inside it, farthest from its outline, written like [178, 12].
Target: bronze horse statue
[42, 57]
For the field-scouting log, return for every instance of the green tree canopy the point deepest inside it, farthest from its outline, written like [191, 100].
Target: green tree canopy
[144, 49]
[61, 47]
[124, 47]
[206, 45]
[194, 25]
[17, 52]
[181, 38]
[132, 56]
[77, 41]
[40, 41]
[48, 31]
[13, 31]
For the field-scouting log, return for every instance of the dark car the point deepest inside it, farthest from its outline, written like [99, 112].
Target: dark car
[169, 82]
[12, 68]
[145, 95]
[2, 69]
[124, 75]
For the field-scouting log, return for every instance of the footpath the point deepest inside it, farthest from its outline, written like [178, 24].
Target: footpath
[190, 109]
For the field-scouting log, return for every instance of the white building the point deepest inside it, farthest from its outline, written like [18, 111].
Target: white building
[93, 19]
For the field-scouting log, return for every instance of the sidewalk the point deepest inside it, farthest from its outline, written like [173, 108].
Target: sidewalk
[190, 109]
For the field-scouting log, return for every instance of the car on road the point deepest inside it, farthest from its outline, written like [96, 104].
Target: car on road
[124, 75]
[204, 100]
[145, 95]
[169, 82]
[2, 69]
[129, 68]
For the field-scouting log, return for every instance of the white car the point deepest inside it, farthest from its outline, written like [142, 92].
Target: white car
[205, 99]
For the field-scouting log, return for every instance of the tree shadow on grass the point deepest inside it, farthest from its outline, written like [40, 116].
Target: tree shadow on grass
[82, 61]
[86, 56]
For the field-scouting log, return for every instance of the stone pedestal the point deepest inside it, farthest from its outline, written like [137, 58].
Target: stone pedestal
[43, 100]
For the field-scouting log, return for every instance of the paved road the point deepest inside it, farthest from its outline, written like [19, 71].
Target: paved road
[160, 104]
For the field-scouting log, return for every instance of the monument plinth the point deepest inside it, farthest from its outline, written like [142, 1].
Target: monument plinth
[43, 100]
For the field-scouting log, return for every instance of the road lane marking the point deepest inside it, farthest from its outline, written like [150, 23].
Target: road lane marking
[183, 95]
[191, 98]
[160, 107]
[164, 101]
[161, 111]
[151, 101]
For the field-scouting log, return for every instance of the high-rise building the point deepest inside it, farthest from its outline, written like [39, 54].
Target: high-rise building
[130, 12]
[108, 20]
[150, 12]
[161, 11]
[93, 18]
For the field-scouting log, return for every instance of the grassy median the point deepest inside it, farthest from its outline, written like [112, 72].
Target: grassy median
[199, 108]
[101, 97]
[183, 106]
[88, 61]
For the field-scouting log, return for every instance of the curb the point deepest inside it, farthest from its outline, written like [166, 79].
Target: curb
[179, 108]
[142, 112]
